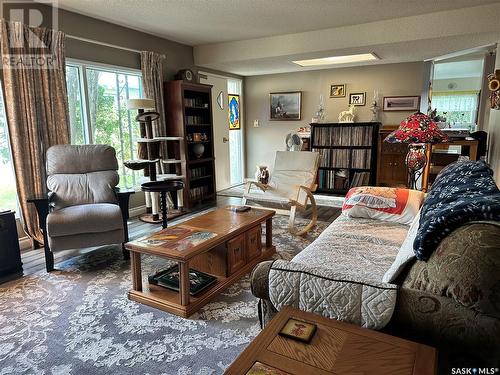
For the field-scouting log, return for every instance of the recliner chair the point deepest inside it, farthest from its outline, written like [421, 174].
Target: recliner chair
[84, 207]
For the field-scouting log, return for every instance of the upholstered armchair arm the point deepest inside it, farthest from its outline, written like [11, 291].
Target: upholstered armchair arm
[431, 319]
[43, 205]
[123, 196]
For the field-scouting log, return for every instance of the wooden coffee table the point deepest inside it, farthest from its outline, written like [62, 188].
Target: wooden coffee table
[235, 248]
[336, 348]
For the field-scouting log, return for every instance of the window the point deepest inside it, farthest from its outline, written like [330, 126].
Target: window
[8, 194]
[97, 98]
[235, 139]
[459, 108]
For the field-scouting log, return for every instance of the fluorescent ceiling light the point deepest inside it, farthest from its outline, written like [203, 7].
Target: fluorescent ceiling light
[338, 59]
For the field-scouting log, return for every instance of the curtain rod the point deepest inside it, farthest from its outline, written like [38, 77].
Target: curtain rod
[104, 44]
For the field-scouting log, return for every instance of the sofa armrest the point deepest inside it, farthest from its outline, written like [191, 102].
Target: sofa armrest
[319, 290]
[441, 321]
[259, 279]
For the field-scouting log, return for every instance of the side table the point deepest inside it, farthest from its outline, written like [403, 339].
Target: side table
[336, 348]
[164, 187]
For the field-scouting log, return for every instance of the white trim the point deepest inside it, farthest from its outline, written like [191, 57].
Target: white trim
[136, 211]
[25, 243]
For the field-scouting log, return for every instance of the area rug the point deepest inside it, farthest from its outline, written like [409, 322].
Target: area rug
[78, 320]
[321, 199]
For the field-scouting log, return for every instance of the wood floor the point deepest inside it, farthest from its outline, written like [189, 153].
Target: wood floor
[34, 260]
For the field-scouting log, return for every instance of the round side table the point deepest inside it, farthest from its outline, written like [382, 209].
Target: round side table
[163, 187]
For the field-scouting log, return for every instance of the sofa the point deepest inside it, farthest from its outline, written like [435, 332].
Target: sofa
[450, 300]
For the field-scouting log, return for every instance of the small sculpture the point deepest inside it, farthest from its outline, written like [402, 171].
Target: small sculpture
[347, 116]
[262, 174]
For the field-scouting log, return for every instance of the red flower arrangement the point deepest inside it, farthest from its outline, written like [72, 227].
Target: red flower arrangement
[417, 128]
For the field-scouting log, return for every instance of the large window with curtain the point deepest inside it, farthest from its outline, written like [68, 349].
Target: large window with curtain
[459, 108]
[8, 194]
[97, 99]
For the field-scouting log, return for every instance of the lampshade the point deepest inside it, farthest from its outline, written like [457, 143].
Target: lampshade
[417, 128]
[140, 103]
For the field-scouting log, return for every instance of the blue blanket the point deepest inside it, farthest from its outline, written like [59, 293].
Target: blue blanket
[463, 192]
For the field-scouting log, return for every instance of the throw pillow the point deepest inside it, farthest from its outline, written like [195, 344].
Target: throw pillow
[383, 203]
[405, 253]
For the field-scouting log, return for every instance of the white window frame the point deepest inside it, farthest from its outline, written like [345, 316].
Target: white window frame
[82, 66]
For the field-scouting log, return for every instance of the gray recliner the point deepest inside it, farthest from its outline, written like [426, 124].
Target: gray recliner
[84, 207]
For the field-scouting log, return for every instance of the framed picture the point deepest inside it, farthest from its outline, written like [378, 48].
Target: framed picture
[401, 103]
[285, 106]
[358, 98]
[337, 91]
[233, 111]
[298, 330]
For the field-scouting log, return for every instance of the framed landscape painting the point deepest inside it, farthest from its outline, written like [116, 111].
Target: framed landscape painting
[401, 103]
[285, 106]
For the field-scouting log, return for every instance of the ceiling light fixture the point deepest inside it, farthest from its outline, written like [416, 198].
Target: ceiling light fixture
[338, 59]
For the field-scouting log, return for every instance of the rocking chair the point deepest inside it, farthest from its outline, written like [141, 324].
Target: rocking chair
[292, 182]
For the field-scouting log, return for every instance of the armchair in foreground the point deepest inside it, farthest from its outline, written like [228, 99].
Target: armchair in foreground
[84, 207]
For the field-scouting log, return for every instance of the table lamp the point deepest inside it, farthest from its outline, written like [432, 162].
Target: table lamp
[416, 130]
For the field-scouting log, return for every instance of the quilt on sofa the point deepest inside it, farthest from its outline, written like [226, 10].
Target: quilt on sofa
[339, 275]
[361, 248]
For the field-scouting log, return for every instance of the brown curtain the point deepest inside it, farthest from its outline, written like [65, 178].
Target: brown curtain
[36, 107]
[152, 80]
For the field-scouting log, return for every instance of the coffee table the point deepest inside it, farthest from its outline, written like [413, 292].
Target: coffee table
[336, 348]
[222, 243]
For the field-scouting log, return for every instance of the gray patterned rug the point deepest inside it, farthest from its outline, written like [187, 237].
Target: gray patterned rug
[78, 320]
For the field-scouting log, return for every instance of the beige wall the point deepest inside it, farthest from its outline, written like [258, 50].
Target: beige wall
[494, 135]
[262, 142]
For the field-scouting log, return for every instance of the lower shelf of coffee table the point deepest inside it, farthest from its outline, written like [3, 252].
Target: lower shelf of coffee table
[168, 300]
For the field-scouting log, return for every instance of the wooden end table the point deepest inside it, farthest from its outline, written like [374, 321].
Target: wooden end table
[233, 252]
[336, 348]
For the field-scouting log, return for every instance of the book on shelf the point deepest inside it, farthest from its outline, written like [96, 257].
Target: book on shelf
[332, 179]
[344, 135]
[360, 179]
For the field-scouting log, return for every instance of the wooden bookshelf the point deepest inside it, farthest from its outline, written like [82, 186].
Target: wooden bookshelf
[348, 155]
[188, 110]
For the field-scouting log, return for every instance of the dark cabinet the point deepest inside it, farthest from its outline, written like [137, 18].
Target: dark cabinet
[10, 254]
[391, 168]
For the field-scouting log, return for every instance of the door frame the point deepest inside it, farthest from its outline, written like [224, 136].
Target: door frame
[242, 116]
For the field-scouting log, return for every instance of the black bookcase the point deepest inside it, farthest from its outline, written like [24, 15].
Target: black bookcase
[348, 155]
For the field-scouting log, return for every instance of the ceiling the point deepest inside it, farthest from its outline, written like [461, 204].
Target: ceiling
[458, 69]
[196, 22]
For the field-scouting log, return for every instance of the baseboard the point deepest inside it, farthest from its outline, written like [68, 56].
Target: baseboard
[25, 243]
[136, 211]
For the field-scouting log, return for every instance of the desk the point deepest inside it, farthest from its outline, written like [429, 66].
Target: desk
[471, 143]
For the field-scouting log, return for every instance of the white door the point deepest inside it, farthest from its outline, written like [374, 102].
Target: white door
[221, 131]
